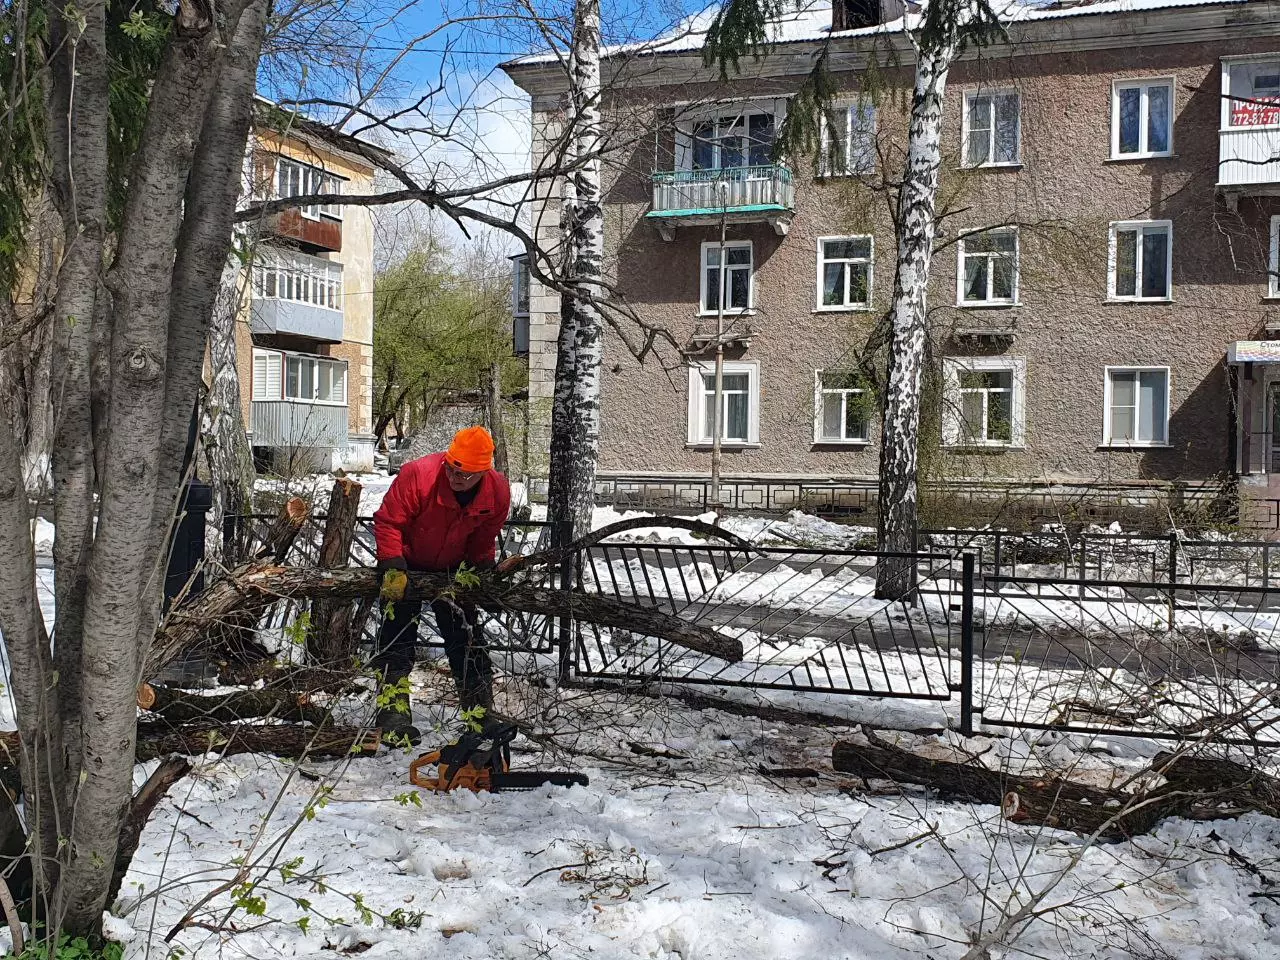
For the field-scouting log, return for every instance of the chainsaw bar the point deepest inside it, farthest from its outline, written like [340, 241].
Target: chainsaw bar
[532, 779]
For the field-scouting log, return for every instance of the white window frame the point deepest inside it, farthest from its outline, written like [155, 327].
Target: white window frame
[723, 116]
[703, 266]
[953, 431]
[1144, 85]
[317, 363]
[311, 179]
[870, 262]
[1142, 226]
[866, 161]
[1013, 299]
[819, 393]
[969, 97]
[1229, 62]
[1107, 374]
[697, 406]
[1273, 261]
[261, 381]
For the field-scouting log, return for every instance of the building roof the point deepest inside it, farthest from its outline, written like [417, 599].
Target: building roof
[809, 21]
[307, 128]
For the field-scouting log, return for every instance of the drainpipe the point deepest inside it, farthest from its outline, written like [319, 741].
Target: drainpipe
[717, 417]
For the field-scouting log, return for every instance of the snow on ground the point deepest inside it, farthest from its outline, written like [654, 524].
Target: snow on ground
[690, 853]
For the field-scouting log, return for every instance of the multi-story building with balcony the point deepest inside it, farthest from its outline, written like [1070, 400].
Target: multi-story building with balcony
[305, 348]
[1104, 308]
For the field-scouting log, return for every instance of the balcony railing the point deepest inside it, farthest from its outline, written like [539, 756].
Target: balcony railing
[297, 423]
[1249, 158]
[740, 194]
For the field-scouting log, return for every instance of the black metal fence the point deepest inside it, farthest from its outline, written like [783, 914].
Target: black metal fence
[1156, 637]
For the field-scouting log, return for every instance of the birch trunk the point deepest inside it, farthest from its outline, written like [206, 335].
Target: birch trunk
[900, 437]
[223, 440]
[501, 459]
[575, 414]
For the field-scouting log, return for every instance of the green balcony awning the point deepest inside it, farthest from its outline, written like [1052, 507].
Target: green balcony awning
[717, 211]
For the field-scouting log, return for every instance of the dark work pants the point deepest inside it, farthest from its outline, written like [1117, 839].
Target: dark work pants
[463, 645]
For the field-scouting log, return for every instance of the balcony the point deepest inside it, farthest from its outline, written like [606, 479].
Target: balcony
[759, 194]
[319, 233]
[299, 423]
[300, 319]
[1249, 132]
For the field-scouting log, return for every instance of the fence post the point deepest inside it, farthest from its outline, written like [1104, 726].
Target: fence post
[966, 647]
[1173, 579]
[561, 537]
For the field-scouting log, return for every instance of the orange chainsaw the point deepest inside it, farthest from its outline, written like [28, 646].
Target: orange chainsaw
[481, 761]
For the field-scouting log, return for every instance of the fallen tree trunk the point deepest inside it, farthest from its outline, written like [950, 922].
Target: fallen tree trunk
[251, 591]
[1053, 802]
[178, 706]
[1193, 786]
[330, 642]
[161, 739]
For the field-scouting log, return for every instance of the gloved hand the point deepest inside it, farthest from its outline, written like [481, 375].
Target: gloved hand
[513, 562]
[394, 580]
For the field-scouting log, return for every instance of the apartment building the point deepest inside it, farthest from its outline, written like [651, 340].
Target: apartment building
[1104, 309]
[305, 348]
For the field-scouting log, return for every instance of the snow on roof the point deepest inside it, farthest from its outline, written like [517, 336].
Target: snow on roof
[810, 20]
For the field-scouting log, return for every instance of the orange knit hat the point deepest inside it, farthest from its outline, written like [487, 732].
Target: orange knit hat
[471, 450]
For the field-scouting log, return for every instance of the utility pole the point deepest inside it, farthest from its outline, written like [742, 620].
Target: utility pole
[717, 417]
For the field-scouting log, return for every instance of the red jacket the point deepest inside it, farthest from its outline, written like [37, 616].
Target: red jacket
[420, 519]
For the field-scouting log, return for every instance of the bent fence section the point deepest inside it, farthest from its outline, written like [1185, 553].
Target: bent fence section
[991, 629]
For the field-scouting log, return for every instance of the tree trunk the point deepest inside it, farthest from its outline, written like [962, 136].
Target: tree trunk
[223, 440]
[178, 706]
[144, 803]
[496, 425]
[330, 642]
[900, 434]
[575, 412]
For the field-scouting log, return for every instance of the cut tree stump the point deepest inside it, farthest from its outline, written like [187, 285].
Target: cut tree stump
[330, 641]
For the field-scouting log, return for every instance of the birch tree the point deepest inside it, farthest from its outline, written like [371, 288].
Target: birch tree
[943, 31]
[575, 413]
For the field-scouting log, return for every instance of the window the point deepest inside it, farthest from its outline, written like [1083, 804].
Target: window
[1137, 406]
[740, 139]
[299, 278]
[840, 414]
[267, 366]
[849, 149]
[1142, 119]
[740, 403]
[314, 379]
[1141, 261]
[1253, 93]
[991, 129]
[984, 401]
[844, 273]
[294, 179]
[520, 285]
[988, 274]
[732, 283]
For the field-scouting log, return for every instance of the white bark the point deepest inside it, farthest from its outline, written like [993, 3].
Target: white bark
[900, 437]
[223, 442]
[575, 415]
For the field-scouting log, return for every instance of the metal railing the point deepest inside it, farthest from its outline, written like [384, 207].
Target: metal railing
[696, 192]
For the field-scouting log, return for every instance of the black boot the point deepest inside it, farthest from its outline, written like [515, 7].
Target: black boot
[396, 722]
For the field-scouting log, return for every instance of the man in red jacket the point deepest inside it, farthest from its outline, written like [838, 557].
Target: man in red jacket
[442, 510]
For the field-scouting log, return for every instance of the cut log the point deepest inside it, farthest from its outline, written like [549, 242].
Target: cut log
[250, 592]
[1053, 802]
[285, 676]
[330, 641]
[284, 531]
[161, 739]
[178, 706]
